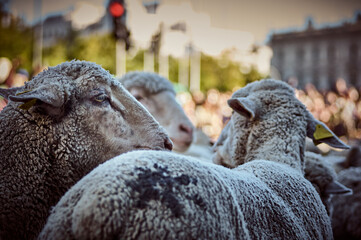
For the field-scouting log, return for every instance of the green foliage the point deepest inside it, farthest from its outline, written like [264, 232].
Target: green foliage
[16, 43]
[135, 63]
[16, 40]
[99, 49]
[173, 69]
[55, 55]
[253, 75]
[222, 74]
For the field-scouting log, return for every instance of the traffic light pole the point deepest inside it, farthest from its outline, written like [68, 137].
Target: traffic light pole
[120, 58]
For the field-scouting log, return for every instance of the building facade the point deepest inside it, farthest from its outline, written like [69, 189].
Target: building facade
[319, 56]
[55, 28]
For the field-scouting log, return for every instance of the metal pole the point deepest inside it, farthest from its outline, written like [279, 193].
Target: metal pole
[195, 71]
[148, 61]
[183, 70]
[38, 36]
[164, 65]
[120, 58]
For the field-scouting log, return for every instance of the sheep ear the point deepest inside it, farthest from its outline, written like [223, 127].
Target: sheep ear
[337, 188]
[320, 133]
[7, 92]
[243, 106]
[49, 99]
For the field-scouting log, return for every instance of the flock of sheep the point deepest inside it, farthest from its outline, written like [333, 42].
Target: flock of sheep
[68, 167]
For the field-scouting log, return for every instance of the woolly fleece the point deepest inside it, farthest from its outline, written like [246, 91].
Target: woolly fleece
[62, 136]
[320, 173]
[266, 195]
[159, 195]
[346, 215]
[151, 82]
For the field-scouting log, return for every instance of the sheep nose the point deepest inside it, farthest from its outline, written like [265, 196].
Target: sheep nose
[186, 128]
[168, 144]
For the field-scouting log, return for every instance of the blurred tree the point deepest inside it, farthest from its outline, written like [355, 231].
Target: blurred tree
[224, 74]
[136, 63]
[15, 39]
[55, 55]
[98, 49]
[253, 75]
[173, 69]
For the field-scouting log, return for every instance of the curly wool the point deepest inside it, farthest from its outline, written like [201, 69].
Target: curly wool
[318, 171]
[278, 132]
[346, 215]
[48, 146]
[151, 82]
[266, 188]
[321, 174]
[28, 141]
[159, 195]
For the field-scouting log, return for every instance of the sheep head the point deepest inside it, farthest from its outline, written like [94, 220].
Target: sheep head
[269, 121]
[157, 95]
[58, 127]
[88, 111]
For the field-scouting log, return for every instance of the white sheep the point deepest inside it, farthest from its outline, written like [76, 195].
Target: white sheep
[58, 127]
[156, 93]
[159, 195]
[318, 170]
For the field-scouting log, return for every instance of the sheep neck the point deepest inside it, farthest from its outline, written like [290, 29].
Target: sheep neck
[286, 150]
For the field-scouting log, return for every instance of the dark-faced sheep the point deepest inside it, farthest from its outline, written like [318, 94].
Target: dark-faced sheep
[57, 128]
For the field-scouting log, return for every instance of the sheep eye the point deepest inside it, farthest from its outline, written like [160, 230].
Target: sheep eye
[101, 98]
[138, 97]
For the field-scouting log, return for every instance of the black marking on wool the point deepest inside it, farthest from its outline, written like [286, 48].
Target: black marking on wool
[159, 185]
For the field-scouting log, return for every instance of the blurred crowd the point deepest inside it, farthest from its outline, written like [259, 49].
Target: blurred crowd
[11, 76]
[340, 109]
[209, 111]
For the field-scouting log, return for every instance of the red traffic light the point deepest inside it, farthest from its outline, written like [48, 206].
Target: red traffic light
[116, 9]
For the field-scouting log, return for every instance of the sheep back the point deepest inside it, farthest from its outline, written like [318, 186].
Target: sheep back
[147, 195]
[158, 195]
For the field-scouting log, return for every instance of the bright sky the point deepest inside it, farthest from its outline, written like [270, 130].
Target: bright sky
[212, 25]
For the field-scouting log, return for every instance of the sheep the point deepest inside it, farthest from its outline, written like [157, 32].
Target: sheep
[346, 220]
[56, 129]
[352, 159]
[154, 92]
[164, 195]
[231, 151]
[346, 215]
[317, 170]
[324, 178]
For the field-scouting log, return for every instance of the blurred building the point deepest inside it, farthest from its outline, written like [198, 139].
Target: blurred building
[319, 55]
[58, 27]
[103, 26]
[54, 28]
